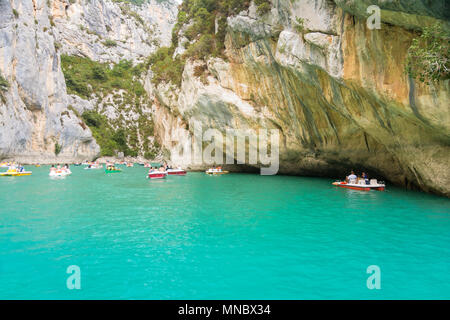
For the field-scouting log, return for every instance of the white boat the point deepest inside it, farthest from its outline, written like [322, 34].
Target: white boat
[362, 185]
[176, 172]
[215, 171]
[94, 167]
[60, 173]
[157, 174]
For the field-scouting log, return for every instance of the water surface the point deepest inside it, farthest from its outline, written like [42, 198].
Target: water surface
[236, 236]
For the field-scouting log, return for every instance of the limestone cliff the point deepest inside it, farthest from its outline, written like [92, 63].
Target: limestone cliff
[33, 113]
[39, 120]
[336, 90]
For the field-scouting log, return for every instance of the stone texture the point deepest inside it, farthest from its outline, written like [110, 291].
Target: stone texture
[36, 111]
[337, 92]
[34, 116]
[83, 28]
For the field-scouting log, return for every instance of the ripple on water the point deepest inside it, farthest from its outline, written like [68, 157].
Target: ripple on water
[237, 236]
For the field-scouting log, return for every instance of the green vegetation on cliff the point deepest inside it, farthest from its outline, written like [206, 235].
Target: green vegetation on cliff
[204, 23]
[429, 55]
[119, 87]
[85, 77]
[109, 140]
[4, 85]
[164, 67]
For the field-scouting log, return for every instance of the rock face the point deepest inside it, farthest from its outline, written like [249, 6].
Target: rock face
[34, 118]
[335, 89]
[37, 118]
[109, 31]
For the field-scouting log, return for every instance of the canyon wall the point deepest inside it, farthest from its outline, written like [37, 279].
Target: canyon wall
[336, 90]
[39, 120]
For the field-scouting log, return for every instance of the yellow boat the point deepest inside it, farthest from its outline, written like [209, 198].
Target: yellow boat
[13, 172]
[112, 169]
[215, 171]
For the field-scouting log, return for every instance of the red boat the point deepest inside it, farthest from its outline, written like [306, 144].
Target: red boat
[362, 186]
[157, 175]
[176, 172]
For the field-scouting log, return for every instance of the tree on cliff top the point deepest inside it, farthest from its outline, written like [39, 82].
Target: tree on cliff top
[429, 55]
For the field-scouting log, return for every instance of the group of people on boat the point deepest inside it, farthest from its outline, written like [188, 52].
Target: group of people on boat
[6, 164]
[163, 168]
[216, 170]
[111, 167]
[94, 165]
[15, 170]
[353, 178]
[64, 168]
[362, 182]
[58, 167]
[16, 167]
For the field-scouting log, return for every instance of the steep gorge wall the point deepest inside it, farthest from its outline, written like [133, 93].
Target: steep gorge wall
[33, 112]
[337, 92]
[39, 120]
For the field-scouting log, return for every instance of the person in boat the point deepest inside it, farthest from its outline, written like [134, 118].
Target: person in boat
[351, 177]
[52, 169]
[365, 177]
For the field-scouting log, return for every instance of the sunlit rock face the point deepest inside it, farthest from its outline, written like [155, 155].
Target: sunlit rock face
[37, 116]
[33, 112]
[336, 90]
[108, 31]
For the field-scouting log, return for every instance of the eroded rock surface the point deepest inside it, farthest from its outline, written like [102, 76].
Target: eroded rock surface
[336, 90]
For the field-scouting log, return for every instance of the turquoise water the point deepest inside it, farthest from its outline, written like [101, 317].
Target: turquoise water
[236, 236]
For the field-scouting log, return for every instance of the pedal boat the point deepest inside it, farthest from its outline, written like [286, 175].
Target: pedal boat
[212, 171]
[157, 175]
[361, 185]
[112, 170]
[15, 173]
[176, 172]
[60, 173]
[93, 167]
